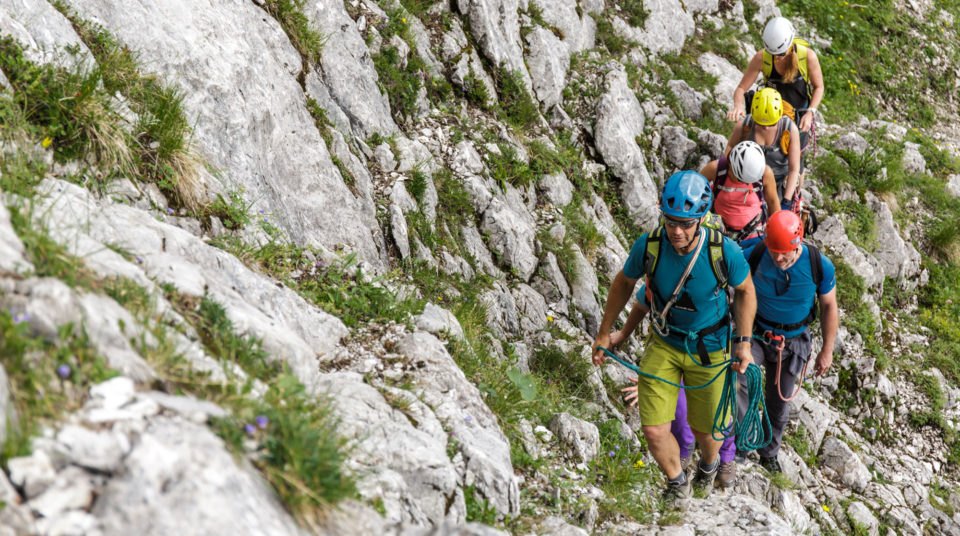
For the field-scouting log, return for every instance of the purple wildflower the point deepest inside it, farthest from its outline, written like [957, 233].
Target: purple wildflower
[21, 317]
[139, 259]
[612, 454]
[250, 429]
[169, 210]
[261, 421]
[63, 371]
[467, 418]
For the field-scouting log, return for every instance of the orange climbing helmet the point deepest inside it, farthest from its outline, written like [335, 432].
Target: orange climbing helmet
[784, 232]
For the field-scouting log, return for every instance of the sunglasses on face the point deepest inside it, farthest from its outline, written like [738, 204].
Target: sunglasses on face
[780, 55]
[683, 224]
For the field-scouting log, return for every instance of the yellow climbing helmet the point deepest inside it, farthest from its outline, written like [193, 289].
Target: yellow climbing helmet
[767, 107]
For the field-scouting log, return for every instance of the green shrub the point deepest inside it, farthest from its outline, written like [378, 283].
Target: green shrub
[516, 106]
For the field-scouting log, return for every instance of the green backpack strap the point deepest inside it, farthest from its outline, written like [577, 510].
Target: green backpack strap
[651, 256]
[717, 260]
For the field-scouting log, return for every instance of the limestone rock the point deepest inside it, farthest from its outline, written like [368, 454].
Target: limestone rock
[851, 141]
[728, 77]
[899, 259]
[548, 59]
[862, 516]
[913, 161]
[511, 230]
[11, 248]
[495, 26]
[619, 124]
[953, 185]
[584, 292]
[691, 100]
[580, 437]
[832, 235]
[45, 34]
[842, 464]
[556, 189]
[676, 146]
[437, 320]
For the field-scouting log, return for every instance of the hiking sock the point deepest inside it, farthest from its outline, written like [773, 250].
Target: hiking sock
[679, 480]
[709, 469]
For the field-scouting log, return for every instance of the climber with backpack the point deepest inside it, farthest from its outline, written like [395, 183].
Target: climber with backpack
[777, 136]
[793, 282]
[744, 191]
[790, 66]
[687, 268]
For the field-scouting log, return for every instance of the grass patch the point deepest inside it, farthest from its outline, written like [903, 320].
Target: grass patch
[507, 168]
[289, 13]
[516, 106]
[799, 441]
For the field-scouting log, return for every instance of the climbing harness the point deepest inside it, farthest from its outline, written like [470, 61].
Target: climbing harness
[754, 431]
[769, 338]
[658, 319]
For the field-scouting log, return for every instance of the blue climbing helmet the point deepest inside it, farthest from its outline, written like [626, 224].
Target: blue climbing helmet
[686, 194]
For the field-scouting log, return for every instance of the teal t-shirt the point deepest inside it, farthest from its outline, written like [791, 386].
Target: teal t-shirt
[701, 303]
[786, 296]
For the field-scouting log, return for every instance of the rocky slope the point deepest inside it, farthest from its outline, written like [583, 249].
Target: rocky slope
[418, 218]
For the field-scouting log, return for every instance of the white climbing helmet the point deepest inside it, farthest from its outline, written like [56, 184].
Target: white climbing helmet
[747, 162]
[778, 35]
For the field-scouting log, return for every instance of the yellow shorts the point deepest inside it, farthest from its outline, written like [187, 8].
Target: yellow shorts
[657, 401]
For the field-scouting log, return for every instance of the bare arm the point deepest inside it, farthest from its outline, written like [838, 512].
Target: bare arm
[816, 81]
[770, 191]
[829, 322]
[745, 307]
[793, 156]
[620, 290]
[735, 137]
[749, 77]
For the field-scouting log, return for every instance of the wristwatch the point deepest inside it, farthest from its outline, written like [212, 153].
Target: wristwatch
[742, 338]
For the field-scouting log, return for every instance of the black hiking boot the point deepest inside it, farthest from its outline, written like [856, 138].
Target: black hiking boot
[771, 464]
[703, 480]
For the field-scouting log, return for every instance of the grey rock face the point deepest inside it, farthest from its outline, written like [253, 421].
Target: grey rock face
[816, 416]
[548, 59]
[459, 405]
[11, 248]
[953, 185]
[473, 244]
[437, 320]
[578, 32]
[728, 76]
[251, 123]
[532, 309]
[852, 142]
[843, 465]
[913, 161]
[179, 466]
[676, 146]
[345, 74]
[619, 124]
[291, 329]
[831, 234]
[713, 143]
[496, 27]
[556, 189]
[581, 437]
[667, 27]
[765, 10]
[899, 259]
[859, 513]
[44, 33]
[501, 310]
[511, 229]
[8, 413]
[404, 464]
[399, 231]
[584, 292]
[691, 100]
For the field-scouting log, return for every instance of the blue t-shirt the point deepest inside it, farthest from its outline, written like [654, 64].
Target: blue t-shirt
[785, 297]
[701, 303]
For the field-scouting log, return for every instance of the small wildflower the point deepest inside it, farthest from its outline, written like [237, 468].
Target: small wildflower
[250, 429]
[439, 298]
[825, 508]
[873, 433]
[261, 211]
[261, 421]
[139, 259]
[467, 418]
[611, 454]
[169, 210]
[21, 317]
[403, 20]
[46, 142]
[549, 318]
[616, 447]
[63, 371]
[639, 464]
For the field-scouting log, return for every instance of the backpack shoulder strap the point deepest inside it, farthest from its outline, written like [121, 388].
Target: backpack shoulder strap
[723, 164]
[783, 132]
[766, 64]
[816, 265]
[747, 128]
[756, 255]
[651, 256]
[717, 260]
[801, 49]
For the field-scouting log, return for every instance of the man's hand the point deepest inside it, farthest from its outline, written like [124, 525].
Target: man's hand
[823, 362]
[631, 391]
[599, 357]
[742, 352]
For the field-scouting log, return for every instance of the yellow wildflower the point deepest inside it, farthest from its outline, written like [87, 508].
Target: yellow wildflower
[46, 142]
[826, 508]
[549, 318]
[639, 464]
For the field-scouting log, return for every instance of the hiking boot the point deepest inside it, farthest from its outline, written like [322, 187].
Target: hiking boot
[727, 474]
[685, 462]
[676, 494]
[741, 456]
[703, 481]
[771, 464]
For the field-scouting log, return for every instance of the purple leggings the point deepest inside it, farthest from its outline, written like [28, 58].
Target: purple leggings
[680, 429]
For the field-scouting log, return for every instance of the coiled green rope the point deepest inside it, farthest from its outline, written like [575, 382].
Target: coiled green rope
[754, 431]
